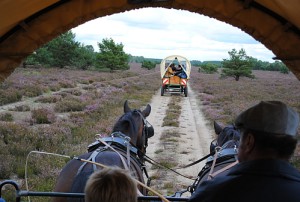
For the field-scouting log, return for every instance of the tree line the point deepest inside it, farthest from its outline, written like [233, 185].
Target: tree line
[65, 51]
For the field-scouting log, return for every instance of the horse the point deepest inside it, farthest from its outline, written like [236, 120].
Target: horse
[131, 127]
[223, 152]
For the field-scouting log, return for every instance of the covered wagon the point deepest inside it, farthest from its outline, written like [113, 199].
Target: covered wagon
[175, 73]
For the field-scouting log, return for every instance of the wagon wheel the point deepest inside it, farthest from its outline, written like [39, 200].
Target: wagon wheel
[162, 91]
[185, 91]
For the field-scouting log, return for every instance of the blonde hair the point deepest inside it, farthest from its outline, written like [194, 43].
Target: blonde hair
[111, 185]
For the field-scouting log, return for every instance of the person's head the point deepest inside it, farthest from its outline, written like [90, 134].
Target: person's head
[268, 130]
[110, 185]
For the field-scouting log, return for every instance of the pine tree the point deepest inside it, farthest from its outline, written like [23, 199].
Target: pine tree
[112, 56]
[238, 65]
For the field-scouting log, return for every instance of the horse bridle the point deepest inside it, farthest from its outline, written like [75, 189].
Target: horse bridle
[148, 131]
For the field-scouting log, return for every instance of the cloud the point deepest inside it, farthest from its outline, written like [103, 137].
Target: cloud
[159, 32]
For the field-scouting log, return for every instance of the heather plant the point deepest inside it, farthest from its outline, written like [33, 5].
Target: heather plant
[66, 84]
[19, 142]
[43, 116]
[6, 117]
[52, 138]
[49, 99]
[32, 90]
[75, 92]
[9, 95]
[20, 108]
[84, 81]
[78, 118]
[69, 104]
[61, 94]
[89, 87]
[15, 143]
[54, 87]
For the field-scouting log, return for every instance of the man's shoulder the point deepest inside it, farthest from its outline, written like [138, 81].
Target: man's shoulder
[209, 188]
[266, 167]
[280, 176]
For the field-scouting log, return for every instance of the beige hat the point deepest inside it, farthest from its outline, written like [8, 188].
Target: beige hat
[271, 116]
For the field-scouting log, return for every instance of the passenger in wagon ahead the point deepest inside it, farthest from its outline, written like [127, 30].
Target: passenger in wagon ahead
[111, 185]
[268, 141]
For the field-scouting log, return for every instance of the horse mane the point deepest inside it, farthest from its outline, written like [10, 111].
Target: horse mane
[127, 125]
[229, 134]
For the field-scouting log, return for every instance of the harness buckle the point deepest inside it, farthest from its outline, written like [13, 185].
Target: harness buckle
[127, 139]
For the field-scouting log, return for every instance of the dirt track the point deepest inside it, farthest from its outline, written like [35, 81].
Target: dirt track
[190, 142]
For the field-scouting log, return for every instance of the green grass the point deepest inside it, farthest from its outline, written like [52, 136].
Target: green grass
[173, 112]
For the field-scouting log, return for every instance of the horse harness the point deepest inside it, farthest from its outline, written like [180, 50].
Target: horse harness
[119, 143]
[221, 157]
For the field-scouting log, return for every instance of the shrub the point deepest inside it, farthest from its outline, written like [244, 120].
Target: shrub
[89, 87]
[66, 84]
[49, 99]
[62, 94]
[69, 105]
[21, 108]
[32, 91]
[6, 117]
[9, 96]
[208, 68]
[54, 87]
[6, 167]
[73, 92]
[42, 116]
[284, 69]
[148, 64]
[83, 81]
[51, 137]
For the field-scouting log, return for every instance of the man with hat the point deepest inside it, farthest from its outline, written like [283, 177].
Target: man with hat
[268, 141]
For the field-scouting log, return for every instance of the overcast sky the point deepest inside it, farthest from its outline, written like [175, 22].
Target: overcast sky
[159, 32]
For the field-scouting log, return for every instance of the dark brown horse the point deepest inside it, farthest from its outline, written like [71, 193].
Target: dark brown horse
[132, 124]
[225, 157]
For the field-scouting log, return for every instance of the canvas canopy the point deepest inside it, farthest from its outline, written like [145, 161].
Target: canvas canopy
[176, 60]
[25, 25]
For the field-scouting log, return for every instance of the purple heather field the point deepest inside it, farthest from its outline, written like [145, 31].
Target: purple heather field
[60, 110]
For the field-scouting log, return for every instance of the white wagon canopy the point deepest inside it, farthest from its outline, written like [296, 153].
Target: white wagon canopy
[177, 60]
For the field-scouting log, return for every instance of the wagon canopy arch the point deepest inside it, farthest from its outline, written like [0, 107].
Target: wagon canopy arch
[27, 25]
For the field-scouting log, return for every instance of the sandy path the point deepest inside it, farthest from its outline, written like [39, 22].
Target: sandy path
[192, 144]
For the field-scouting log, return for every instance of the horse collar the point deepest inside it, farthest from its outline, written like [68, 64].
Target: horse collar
[118, 139]
[227, 153]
